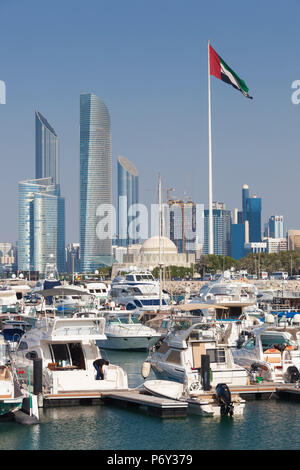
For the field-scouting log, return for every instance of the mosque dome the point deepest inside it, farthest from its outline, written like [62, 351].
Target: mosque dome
[151, 246]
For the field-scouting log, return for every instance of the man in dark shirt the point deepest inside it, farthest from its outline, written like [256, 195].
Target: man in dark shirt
[98, 363]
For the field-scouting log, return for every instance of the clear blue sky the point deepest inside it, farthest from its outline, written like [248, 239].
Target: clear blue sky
[148, 61]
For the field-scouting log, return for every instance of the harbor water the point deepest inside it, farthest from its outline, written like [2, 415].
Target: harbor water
[266, 425]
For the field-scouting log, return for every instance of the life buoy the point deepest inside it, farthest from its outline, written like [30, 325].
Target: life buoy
[146, 367]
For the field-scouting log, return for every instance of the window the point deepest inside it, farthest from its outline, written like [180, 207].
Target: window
[216, 355]
[60, 352]
[174, 357]
[22, 346]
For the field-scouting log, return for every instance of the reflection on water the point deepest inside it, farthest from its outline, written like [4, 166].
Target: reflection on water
[267, 424]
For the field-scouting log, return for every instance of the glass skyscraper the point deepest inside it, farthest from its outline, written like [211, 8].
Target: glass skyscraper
[221, 230]
[46, 149]
[254, 218]
[41, 225]
[95, 184]
[128, 195]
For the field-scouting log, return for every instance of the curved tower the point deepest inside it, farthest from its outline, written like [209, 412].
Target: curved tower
[95, 183]
[128, 195]
[46, 149]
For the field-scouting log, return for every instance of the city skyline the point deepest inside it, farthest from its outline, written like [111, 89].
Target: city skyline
[150, 101]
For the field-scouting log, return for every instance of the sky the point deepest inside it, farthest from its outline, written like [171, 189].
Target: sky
[147, 60]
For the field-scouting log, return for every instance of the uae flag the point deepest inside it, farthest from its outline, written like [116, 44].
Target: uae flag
[221, 70]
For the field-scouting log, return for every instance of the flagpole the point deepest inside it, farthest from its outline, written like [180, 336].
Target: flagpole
[210, 211]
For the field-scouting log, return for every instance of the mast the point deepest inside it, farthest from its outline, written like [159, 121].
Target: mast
[159, 238]
[210, 211]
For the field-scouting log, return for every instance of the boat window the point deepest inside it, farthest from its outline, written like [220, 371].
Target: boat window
[60, 352]
[31, 355]
[216, 355]
[77, 355]
[163, 348]
[23, 345]
[129, 278]
[139, 278]
[174, 357]
[250, 344]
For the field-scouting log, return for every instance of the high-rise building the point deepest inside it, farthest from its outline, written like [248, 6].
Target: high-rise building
[293, 239]
[46, 149]
[128, 196]
[182, 225]
[221, 230]
[95, 184]
[276, 226]
[245, 196]
[254, 218]
[41, 225]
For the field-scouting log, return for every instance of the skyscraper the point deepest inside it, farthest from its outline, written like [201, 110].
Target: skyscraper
[95, 183]
[276, 226]
[183, 225]
[128, 195]
[41, 225]
[221, 228]
[254, 218]
[46, 149]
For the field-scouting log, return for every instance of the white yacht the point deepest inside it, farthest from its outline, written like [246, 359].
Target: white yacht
[272, 353]
[67, 347]
[231, 294]
[179, 354]
[98, 289]
[138, 290]
[124, 331]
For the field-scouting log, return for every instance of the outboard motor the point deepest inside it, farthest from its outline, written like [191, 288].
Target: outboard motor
[224, 398]
[292, 374]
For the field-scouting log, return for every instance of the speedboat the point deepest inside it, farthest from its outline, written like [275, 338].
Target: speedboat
[271, 353]
[67, 347]
[124, 331]
[138, 290]
[180, 354]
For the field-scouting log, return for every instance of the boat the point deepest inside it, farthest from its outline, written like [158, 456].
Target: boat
[180, 354]
[98, 289]
[233, 295]
[220, 402]
[11, 397]
[271, 353]
[67, 347]
[138, 290]
[124, 331]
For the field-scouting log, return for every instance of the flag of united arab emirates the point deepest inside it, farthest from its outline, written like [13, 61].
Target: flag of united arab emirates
[221, 70]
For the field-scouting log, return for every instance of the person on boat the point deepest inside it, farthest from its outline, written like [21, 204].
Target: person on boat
[98, 363]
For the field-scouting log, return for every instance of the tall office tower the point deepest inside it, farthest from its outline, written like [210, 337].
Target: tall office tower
[41, 225]
[95, 184]
[221, 228]
[128, 195]
[182, 217]
[254, 218]
[276, 226]
[46, 149]
[245, 196]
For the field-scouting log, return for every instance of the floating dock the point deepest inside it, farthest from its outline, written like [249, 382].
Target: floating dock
[155, 406]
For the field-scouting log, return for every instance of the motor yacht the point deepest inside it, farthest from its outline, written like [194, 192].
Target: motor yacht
[138, 290]
[11, 397]
[272, 353]
[179, 354]
[67, 347]
[124, 331]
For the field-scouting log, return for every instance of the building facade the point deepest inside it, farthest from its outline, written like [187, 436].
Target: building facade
[95, 184]
[276, 226]
[46, 149]
[182, 225]
[221, 230]
[128, 196]
[41, 225]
